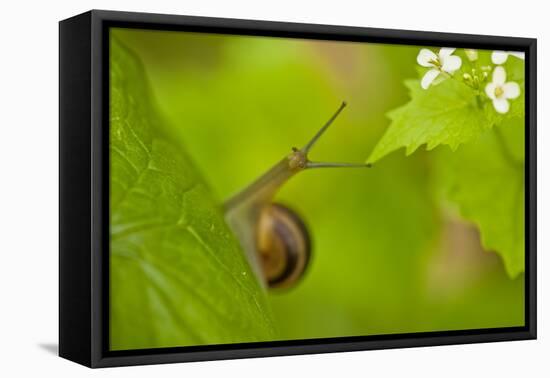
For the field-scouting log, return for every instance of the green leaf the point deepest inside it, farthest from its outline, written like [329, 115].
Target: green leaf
[447, 113]
[177, 275]
[485, 179]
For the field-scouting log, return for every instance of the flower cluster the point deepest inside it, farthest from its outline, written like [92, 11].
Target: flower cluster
[443, 64]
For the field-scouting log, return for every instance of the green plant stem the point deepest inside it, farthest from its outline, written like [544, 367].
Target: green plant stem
[454, 78]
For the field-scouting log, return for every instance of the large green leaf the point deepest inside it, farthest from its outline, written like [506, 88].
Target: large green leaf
[485, 175]
[178, 276]
[486, 180]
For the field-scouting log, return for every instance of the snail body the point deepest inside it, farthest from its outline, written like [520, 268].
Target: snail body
[275, 239]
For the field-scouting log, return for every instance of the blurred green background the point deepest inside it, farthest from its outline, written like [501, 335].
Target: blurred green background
[388, 255]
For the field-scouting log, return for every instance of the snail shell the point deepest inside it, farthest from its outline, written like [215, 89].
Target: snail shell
[284, 246]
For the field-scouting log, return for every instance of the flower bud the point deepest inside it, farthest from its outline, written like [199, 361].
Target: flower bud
[471, 54]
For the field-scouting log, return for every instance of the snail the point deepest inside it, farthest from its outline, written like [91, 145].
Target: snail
[274, 237]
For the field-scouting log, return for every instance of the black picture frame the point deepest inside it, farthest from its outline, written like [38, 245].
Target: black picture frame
[84, 188]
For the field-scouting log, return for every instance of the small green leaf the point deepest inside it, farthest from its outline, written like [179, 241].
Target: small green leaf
[447, 113]
[177, 275]
[485, 179]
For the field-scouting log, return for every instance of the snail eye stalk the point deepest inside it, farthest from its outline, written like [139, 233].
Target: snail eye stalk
[321, 131]
[305, 150]
[315, 164]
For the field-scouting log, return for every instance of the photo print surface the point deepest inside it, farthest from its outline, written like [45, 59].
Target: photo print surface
[272, 189]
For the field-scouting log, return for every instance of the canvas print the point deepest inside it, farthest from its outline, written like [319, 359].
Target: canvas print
[274, 189]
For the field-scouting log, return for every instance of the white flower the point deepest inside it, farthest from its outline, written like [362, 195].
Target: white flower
[499, 57]
[501, 91]
[444, 61]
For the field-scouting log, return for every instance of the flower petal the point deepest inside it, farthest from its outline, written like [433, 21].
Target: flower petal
[425, 56]
[511, 90]
[517, 54]
[501, 105]
[499, 57]
[428, 78]
[446, 51]
[499, 75]
[490, 91]
[451, 63]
